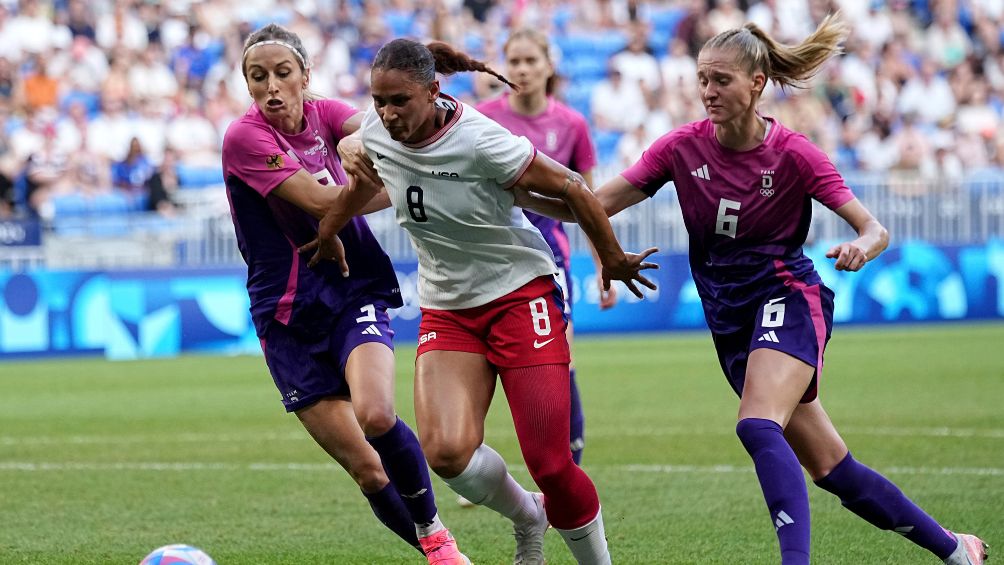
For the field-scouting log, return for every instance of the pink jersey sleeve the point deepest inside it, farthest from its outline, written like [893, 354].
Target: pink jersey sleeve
[824, 182]
[251, 153]
[655, 167]
[583, 153]
[334, 113]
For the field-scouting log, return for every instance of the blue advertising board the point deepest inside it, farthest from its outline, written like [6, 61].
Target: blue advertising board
[151, 313]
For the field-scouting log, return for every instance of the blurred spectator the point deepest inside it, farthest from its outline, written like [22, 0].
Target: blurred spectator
[920, 88]
[46, 174]
[83, 67]
[192, 135]
[636, 62]
[876, 149]
[110, 132]
[39, 89]
[121, 28]
[132, 173]
[163, 185]
[8, 78]
[976, 116]
[679, 69]
[927, 95]
[874, 27]
[89, 173]
[947, 43]
[116, 86]
[945, 166]
[150, 77]
[9, 168]
[616, 104]
[33, 30]
[912, 145]
[190, 61]
[149, 125]
[80, 20]
[479, 9]
[724, 16]
[693, 29]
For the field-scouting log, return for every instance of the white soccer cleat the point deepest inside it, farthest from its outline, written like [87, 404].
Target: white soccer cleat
[971, 551]
[530, 536]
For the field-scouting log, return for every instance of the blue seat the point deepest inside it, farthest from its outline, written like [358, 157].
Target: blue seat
[90, 100]
[199, 177]
[400, 23]
[114, 202]
[666, 21]
[606, 145]
[606, 44]
[584, 68]
[70, 205]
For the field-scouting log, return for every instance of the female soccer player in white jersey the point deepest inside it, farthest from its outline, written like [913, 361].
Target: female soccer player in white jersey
[745, 184]
[562, 134]
[490, 304]
[326, 338]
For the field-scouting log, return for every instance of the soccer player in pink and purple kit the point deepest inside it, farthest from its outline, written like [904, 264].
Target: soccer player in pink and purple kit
[745, 184]
[326, 337]
[562, 134]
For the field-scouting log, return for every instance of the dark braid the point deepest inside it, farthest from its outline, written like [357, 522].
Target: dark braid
[423, 62]
[450, 61]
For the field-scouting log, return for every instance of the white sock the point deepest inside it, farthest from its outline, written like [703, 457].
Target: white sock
[426, 530]
[960, 556]
[487, 482]
[588, 543]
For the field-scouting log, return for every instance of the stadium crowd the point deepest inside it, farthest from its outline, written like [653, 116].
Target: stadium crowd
[125, 101]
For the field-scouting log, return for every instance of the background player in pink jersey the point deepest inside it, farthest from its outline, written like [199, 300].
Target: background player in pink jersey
[489, 302]
[324, 336]
[745, 182]
[562, 134]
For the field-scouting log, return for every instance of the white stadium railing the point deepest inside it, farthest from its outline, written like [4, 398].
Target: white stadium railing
[957, 212]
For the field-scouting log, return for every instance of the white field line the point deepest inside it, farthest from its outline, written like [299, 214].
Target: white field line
[28, 466]
[209, 437]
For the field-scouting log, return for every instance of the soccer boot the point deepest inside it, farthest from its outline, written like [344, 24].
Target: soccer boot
[971, 551]
[530, 536]
[441, 549]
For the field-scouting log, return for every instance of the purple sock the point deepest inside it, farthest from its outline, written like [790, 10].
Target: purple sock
[873, 497]
[577, 435]
[783, 486]
[405, 465]
[387, 505]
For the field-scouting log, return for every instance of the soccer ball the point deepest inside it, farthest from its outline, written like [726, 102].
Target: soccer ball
[177, 554]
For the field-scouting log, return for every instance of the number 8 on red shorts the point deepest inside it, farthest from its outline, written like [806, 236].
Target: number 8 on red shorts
[523, 328]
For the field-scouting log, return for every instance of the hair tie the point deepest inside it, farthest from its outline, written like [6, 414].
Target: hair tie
[275, 42]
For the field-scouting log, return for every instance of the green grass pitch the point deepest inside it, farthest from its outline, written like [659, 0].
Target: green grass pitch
[101, 462]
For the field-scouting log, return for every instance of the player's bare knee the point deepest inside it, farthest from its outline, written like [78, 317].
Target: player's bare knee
[448, 459]
[370, 478]
[376, 420]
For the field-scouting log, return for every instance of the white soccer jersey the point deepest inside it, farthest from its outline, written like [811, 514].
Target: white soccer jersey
[449, 193]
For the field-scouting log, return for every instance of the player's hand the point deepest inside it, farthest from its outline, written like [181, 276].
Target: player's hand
[608, 296]
[850, 257]
[628, 270]
[354, 159]
[326, 249]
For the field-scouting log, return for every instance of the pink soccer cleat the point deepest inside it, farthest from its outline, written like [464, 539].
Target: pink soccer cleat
[971, 551]
[441, 549]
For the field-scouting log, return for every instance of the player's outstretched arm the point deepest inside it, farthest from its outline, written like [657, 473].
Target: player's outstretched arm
[615, 195]
[550, 179]
[872, 238]
[351, 200]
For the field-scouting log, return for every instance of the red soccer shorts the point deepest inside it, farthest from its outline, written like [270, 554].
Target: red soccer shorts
[521, 329]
